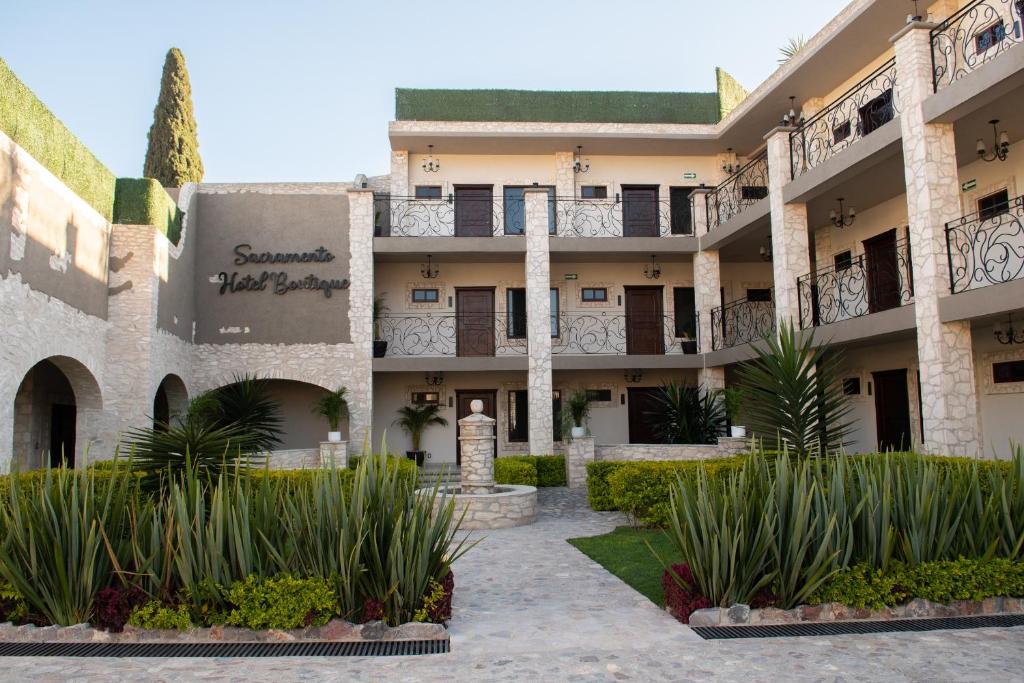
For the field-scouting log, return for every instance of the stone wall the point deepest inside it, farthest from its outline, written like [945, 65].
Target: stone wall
[727, 446]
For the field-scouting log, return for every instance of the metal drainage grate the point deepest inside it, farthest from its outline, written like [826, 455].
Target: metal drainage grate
[375, 648]
[838, 628]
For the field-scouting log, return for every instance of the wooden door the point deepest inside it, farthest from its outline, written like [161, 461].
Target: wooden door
[641, 404]
[474, 210]
[62, 434]
[640, 211]
[883, 274]
[644, 333]
[474, 321]
[462, 400]
[681, 209]
[892, 410]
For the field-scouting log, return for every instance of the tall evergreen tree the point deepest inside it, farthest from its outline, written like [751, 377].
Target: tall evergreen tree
[172, 156]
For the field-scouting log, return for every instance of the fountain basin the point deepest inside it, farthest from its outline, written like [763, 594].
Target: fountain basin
[509, 506]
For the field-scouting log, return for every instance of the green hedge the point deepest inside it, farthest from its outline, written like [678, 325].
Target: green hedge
[942, 582]
[556, 106]
[144, 201]
[530, 470]
[33, 126]
[730, 92]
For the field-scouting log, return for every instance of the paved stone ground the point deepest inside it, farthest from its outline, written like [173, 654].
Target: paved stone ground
[530, 607]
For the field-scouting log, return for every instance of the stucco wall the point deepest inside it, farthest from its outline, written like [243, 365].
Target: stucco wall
[301, 428]
[176, 266]
[274, 221]
[1002, 405]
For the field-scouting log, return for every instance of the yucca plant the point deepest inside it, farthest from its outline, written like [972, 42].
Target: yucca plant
[685, 414]
[245, 404]
[190, 445]
[792, 46]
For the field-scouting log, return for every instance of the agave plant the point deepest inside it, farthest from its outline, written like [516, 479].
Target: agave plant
[246, 403]
[792, 46]
[687, 414]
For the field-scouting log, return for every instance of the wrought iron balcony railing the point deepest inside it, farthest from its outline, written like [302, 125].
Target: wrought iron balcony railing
[864, 108]
[739, 191]
[598, 332]
[868, 283]
[979, 32]
[986, 248]
[741, 322]
[619, 217]
[447, 216]
[448, 334]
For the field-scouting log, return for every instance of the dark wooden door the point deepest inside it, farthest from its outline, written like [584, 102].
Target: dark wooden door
[474, 321]
[882, 272]
[641, 404]
[640, 211]
[682, 214]
[462, 400]
[644, 333]
[474, 210]
[62, 435]
[892, 410]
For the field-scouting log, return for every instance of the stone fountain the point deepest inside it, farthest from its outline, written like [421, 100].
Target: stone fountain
[487, 505]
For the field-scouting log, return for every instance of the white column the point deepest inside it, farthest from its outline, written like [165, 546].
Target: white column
[538, 322]
[790, 252]
[360, 314]
[945, 351]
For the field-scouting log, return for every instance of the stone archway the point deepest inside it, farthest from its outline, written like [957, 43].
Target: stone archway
[170, 400]
[57, 410]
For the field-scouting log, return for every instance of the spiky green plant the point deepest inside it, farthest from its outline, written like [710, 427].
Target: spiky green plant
[792, 46]
[414, 420]
[687, 414]
[245, 403]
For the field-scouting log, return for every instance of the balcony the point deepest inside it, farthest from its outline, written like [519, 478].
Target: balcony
[741, 322]
[740, 191]
[978, 33]
[441, 335]
[631, 214]
[863, 109]
[867, 283]
[986, 248]
[454, 215]
[595, 332]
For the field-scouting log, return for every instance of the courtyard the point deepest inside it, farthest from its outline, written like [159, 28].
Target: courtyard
[531, 607]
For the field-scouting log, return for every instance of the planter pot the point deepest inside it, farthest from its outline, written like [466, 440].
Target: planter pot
[334, 437]
[688, 346]
[380, 348]
[578, 432]
[418, 456]
[738, 432]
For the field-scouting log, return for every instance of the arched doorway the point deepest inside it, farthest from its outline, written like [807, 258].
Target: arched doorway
[55, 407]
[170, 400]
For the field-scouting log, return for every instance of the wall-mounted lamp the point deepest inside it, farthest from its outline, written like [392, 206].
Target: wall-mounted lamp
[842, 218]
[434, 379]
[580, 165]
[431, 164]
[633, 376]
[1006, 334]
[1000, 144]
[428, 270]
[792, 118]
[652, 271]
[730, 167]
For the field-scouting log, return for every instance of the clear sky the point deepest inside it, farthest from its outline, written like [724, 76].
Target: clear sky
[303, 89]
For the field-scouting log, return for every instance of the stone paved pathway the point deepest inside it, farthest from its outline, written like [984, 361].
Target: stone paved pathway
[530, 607]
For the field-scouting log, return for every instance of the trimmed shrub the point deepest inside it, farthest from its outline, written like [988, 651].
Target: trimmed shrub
[599, 493]
[280, 602]
[144, 201]
[550, 470]
[12, 605]
[642, 489]
[156, 615]
[515, 471]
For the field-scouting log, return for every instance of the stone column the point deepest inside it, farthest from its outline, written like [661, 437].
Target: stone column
[579, 453]
[945, 350]
[399, 173]
[565, 177]
[707, 289]
[538, 322]
[360, 315]
[476, 439]
[790, 242]
[334, 454]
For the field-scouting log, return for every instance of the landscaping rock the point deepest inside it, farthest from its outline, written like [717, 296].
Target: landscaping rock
[373, 630]
[846, 613]
[712, 616]
[815, 612]
[917, 608]
[276, 635]
[416, 631]
[338, 630]
[773, 615]
[992, 605]
[738, 614]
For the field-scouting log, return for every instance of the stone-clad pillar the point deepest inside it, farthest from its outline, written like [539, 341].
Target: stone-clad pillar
[476, 442]
[565, 176]
[538, 322]
[334, 454]
[399, 173]
[360, 315]
[790, 241]
[707, 289]
[579, 453]
[945, 352]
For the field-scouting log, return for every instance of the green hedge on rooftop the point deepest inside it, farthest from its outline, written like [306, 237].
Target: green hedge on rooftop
[27, 121]
[144, 201]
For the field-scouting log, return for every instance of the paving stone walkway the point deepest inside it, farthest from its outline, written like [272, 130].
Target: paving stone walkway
[530, 607]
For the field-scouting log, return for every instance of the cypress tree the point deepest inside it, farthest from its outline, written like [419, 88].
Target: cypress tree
[172, 156]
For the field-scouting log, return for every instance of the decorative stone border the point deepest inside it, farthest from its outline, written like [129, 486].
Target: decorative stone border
[742, 615]
[510, 505]
[335, 630]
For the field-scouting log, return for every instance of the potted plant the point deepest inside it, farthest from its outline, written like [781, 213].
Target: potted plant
[578, 408]
[733, 398]
[414, 420]
[380, 346]
[333, 406]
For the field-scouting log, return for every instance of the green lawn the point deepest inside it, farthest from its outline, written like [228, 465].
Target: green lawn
[624, 553]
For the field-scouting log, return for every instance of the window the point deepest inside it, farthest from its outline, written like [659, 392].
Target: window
[515, 210]
[599, 395]
[594, 294]
[843, 260]
[840, 132]
[594, 192]
[876, 113]
[993, 205]
[752, 193]
[986, 38]
[519, 416]
[428, 192]
[425, 296]
[851, 386]
[420, 398]
[685, 301]
[1008, 371]
[759, 295]
[516, 310]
